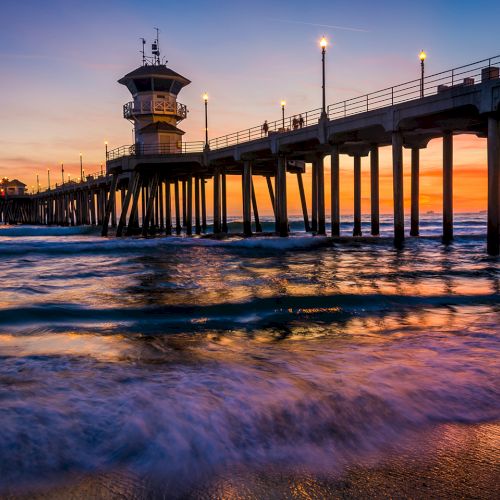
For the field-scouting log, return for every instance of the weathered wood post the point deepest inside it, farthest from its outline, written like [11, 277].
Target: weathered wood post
[374, 190]
[415, 192]
[397, 188]
[447, 187]
[493, 236]
[247, 197]
[335, 189]
[357, 196]
[153, 187]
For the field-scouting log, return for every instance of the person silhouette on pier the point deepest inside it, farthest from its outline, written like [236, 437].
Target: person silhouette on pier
[295, 123]
[265, 128]
[301, 121]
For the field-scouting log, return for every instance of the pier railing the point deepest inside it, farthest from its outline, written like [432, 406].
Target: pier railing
[437, 83]
[156, 149]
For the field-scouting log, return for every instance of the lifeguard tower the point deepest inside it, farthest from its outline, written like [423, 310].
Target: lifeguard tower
[155, 111]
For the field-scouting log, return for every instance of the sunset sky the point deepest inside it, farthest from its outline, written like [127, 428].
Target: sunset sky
[61, 61]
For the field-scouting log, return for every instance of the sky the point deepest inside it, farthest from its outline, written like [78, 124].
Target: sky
[61, 60]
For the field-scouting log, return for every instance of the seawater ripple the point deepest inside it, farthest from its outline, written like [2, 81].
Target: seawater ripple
[177, 360]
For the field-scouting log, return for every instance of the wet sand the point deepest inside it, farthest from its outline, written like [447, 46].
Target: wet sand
[449, 461]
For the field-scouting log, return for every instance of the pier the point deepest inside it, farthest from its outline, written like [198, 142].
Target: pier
[157, 185]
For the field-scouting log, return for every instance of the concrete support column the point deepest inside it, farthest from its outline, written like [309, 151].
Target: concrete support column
[415, 192]
[493, 245]
[203, 206]
[447, 187]
[247, 198]
[168, 209]
[217, 200]
[357, 196]
[281, 197]
[320, 186]
[258, 225]
[224, 203]
[397, 188]
[335, 189]
[374, 190]
[314, 195]
[178, 226]
[197, 222]
[184, 204]
[303, 202]
[189, 205]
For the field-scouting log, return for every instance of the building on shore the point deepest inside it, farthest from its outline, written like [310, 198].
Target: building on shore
[11, 187]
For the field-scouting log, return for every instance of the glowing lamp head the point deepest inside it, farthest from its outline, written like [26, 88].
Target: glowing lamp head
[422, 56]
[323, 43]
[105, 143]
[81, 155]
[205, 97]
[283, 103]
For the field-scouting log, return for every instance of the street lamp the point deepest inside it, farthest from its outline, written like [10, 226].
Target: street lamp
[37, 184]
[62, 172]
[48, 177]
[205, 98]
[422, 56]
[283, 104]
[323, 43]
[81, 166]
[106, 148]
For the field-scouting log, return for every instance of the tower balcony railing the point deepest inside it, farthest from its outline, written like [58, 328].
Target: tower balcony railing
[156, 149]
[155, 106]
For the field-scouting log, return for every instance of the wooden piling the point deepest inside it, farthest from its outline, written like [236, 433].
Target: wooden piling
[203, 206]
[217, 200]
[109, 205]
[168, 209]
[314, 195]
[123, 216]
[415, 192]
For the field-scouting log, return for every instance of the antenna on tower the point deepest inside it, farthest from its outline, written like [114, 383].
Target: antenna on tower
[155, 48]
[143, 51]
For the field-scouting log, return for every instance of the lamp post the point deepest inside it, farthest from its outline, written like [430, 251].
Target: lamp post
[283, 104]
[323, 43]
[48, 177]
[81, 166]
[106, 148]
[37, 184]
[62, 172]
[205, 99]
[422, 56]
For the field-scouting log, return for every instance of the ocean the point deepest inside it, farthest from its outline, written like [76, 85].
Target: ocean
[298, 367]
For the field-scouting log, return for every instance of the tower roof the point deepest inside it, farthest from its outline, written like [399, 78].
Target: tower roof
[172, 81]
